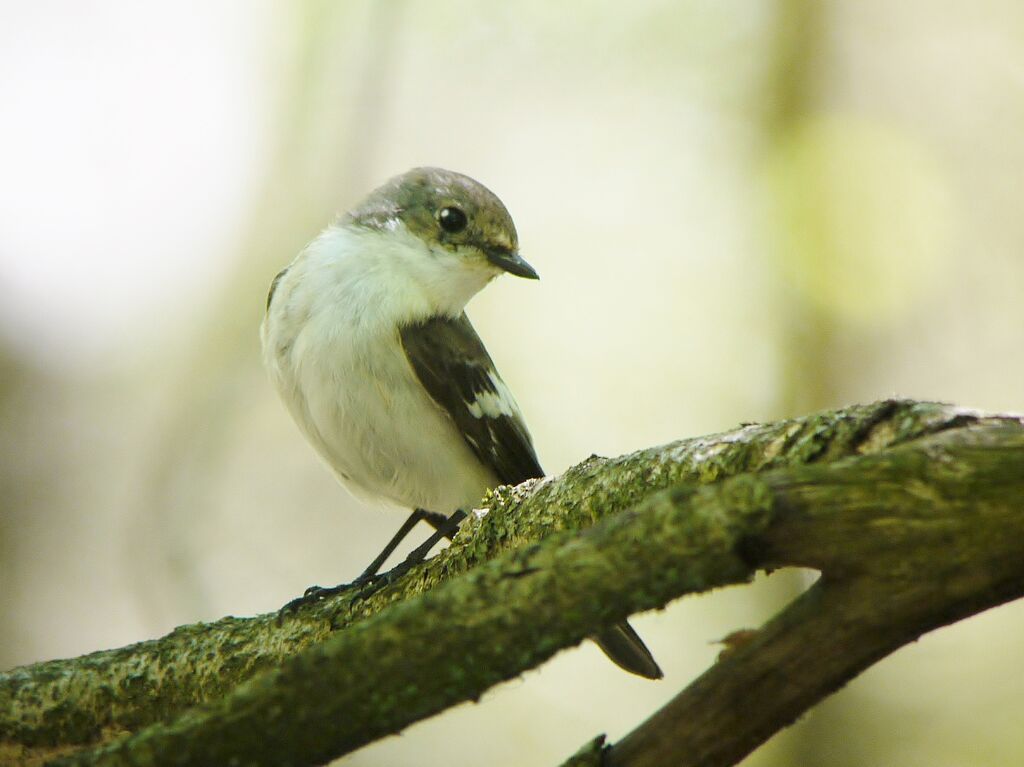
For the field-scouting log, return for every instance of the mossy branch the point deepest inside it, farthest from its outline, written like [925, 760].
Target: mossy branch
[697, 514]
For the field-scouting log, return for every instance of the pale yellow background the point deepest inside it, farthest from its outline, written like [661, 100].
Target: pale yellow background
[740, 211]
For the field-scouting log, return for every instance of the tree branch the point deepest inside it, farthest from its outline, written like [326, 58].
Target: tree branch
[907, 541]
[316, 691]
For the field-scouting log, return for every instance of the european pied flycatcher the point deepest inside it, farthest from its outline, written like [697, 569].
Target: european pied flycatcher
[366, 340]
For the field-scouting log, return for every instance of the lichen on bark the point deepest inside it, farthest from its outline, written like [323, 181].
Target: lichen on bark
[519, 583]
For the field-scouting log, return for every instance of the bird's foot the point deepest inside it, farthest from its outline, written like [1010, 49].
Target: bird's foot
[370, 582]
[444, 529]
[372, 585]
[315, 594]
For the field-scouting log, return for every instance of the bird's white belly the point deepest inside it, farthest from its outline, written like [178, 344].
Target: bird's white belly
[362, 407]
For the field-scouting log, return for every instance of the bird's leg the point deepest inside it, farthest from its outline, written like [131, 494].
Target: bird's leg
[435, 519]
[442, 529]
[445, 529]
[431, 517]
[317, 593]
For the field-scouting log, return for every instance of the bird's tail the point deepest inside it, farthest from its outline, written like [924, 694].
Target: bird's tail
[627, 651]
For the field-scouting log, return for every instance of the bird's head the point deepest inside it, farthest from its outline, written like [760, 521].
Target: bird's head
[444, 229]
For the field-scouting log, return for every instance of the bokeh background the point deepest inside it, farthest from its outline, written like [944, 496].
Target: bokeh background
[740, 210]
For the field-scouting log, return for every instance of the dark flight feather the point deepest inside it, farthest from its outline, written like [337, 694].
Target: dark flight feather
[454, 367]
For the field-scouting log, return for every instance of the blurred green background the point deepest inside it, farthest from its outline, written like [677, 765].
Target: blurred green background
[741, 211]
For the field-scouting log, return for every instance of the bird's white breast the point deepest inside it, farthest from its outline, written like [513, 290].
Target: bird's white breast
[332, 348]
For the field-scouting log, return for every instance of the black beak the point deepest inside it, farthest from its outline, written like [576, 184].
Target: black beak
[512, 263]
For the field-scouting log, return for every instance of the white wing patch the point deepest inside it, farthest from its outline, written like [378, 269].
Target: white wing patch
[493, 404]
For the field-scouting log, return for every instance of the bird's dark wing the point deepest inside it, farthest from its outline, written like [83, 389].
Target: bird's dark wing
[455, 369]
[452, 364]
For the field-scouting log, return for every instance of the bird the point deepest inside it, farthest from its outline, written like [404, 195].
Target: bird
[367, 342]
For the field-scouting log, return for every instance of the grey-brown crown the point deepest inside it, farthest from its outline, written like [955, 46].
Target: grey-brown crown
[419, 199]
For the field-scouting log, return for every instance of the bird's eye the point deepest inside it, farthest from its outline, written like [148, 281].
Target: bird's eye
[452, 219]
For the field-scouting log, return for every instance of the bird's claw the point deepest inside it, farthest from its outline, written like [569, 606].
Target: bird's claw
[373, 581]
[310, 596]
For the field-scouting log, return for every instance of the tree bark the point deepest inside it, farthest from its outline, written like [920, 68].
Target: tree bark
[912, 512]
